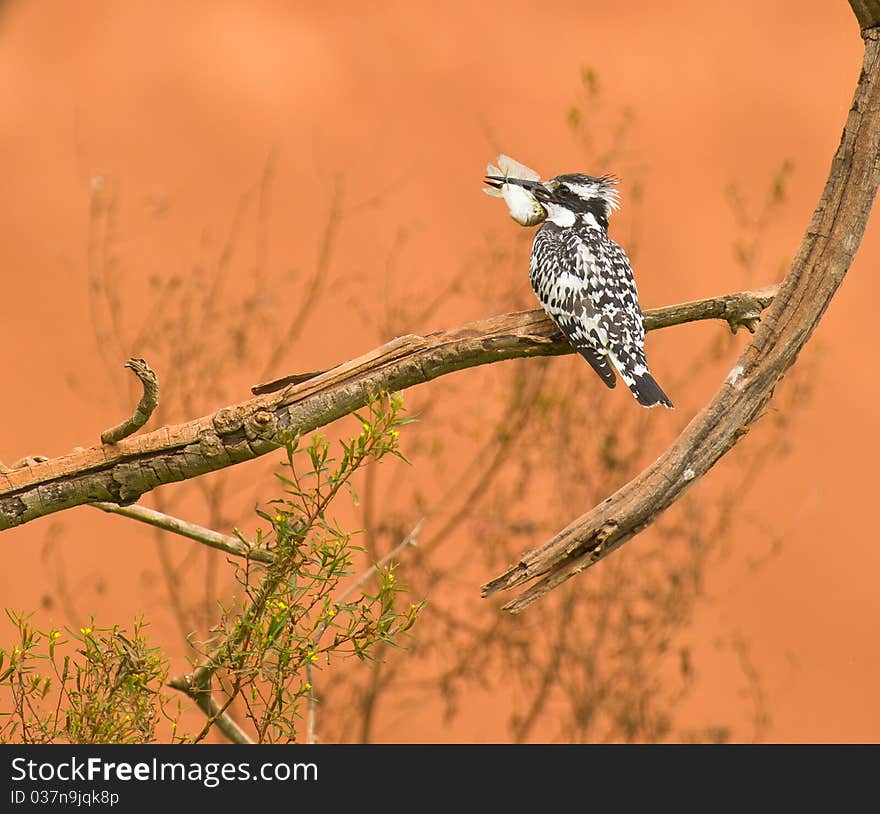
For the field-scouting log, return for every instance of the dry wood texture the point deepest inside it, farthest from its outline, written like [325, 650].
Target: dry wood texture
[122, 472]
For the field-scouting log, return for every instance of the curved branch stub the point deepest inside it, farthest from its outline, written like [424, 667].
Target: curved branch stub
[148, 403]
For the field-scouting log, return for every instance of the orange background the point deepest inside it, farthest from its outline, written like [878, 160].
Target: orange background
[179, 108]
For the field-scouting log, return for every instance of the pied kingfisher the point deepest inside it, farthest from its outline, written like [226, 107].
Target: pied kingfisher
[581, 277]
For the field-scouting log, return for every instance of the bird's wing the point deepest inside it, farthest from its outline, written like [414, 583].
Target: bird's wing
[581, 325]
[614, 295]
[584, 281]
[562, 287]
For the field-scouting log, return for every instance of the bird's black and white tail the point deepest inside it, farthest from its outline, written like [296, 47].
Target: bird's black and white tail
[648, 392]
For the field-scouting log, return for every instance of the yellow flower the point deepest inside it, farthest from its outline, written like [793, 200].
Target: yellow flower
[307, 686]
[86, 631]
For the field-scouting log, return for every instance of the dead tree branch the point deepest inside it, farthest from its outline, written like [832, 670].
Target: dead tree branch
[148, 403]
[867, 13]
[121, 473]
[825, 254]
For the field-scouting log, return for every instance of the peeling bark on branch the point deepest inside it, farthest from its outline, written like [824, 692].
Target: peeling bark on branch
[826, 253]
[121, 473]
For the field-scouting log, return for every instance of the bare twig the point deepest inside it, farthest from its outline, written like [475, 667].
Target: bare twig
[149, 401]
[826, 253]
[206, 536]
[122, 473]
[311, 707]
[208, 704]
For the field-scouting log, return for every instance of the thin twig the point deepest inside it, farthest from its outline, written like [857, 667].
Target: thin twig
[212, 709]
[206, 536]
[148, 403]
[311, 707]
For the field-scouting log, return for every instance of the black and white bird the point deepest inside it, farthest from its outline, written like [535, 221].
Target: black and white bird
[582, 278]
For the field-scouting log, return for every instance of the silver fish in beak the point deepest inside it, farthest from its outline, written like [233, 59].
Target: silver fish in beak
[520, 187]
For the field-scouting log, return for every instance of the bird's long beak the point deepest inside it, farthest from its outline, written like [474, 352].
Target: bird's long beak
[498, 181]
[535, 187]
